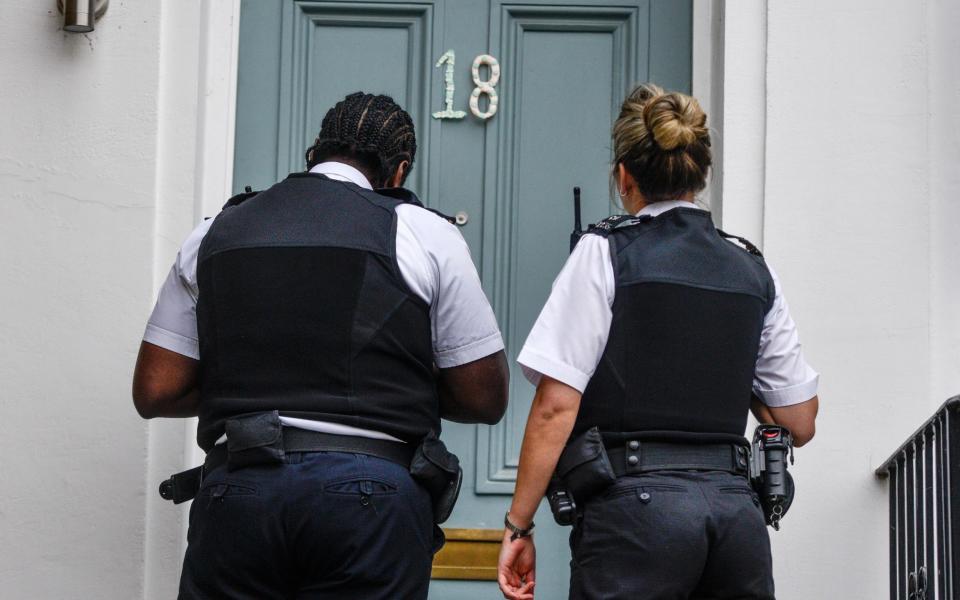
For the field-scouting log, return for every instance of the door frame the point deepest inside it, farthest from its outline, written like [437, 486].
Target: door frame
[196, 108]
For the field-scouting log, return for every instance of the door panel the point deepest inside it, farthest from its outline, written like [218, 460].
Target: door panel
[565, 68]
[297, 59]
[334, 48]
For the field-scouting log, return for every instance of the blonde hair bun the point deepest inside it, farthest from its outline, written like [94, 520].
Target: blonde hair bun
[675, 120]
[663, 141]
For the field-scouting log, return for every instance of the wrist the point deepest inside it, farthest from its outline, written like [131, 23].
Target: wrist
[520, 518]
[517, 530]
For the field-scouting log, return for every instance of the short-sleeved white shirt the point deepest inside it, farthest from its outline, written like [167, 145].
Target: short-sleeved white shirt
[434, 261]
[570, 335]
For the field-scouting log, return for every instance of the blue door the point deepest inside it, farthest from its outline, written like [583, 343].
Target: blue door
[564, 68]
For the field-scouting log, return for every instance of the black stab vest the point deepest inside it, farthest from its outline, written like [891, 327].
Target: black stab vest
[687, 318]
[302, 308]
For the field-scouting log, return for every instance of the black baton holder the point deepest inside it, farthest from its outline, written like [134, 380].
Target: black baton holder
[182, 486]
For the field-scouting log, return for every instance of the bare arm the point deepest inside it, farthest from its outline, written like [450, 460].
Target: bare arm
[761, 412]
[475, 392]
[552, 416]
[165, 383]
[800, 418]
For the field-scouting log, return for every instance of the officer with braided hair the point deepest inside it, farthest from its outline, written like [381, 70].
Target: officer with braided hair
[319, 330]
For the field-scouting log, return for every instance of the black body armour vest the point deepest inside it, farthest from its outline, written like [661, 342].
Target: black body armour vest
[302, 308]
[687, 318]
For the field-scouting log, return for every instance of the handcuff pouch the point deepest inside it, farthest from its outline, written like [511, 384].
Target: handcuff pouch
[438, 470]
[584, 467]
[254, 439]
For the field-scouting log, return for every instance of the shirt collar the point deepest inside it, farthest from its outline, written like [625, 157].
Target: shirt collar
[342, 172]
[658, 208]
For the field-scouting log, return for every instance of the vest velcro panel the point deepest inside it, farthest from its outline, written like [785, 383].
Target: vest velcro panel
[687, 318]
[302, 309]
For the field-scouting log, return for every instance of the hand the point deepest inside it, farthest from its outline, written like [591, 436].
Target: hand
[517, 567]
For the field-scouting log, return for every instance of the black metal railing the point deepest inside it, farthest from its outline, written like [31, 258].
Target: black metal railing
[924, 478]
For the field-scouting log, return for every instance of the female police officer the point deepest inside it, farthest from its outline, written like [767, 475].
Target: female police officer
[658, 331]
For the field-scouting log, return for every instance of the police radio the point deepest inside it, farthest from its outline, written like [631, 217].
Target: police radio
[772, 445]
[577, 227]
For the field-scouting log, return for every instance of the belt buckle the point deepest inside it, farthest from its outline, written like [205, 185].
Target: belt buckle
[632, 454]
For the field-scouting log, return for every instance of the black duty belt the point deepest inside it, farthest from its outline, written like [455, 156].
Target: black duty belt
[635, 457]
[305, 440]
[183, 486]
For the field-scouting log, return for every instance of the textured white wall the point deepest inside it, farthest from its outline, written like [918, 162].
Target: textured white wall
[859, 214]
[77, 182]
[943, 147]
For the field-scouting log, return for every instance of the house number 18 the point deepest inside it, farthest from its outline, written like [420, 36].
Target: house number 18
[487, 87]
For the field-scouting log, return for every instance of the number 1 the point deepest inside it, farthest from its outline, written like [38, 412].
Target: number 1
[449, 57]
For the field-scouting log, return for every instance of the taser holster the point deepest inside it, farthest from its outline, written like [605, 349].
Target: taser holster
[438, 470]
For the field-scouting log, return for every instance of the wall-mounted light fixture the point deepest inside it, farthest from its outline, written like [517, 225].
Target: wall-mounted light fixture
[79, 16]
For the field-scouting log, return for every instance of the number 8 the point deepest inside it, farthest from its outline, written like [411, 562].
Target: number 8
[485, 87]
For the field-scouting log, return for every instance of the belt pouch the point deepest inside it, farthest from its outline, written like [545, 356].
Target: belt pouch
[438, 470]
[584, 467]
[254, 439]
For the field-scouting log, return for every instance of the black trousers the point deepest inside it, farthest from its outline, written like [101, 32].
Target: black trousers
[322, 525]
[673, 535]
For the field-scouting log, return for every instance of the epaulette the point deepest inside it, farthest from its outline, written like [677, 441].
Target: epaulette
[444, 216]
[241, 198]
[407, 197]
[610, 224]
[747, 245]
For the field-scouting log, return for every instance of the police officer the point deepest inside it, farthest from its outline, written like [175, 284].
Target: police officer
[320, 329]
[658, 331]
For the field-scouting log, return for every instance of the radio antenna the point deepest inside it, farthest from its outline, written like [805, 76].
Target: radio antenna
[577, 226]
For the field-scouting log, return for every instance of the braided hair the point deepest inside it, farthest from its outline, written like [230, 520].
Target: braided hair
[369, 130]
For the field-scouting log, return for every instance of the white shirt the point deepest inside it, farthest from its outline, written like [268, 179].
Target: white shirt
[569, 337]
[434, 261]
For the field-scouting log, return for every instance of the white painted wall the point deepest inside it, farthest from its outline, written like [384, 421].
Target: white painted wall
[77, 191]
[943, 146]
[840, 128]
[112, 145]
[856, 168]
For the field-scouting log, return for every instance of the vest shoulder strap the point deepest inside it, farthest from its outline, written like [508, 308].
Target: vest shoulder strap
[241, 198]
[405, 196]
[747, 245]
[617, 222]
